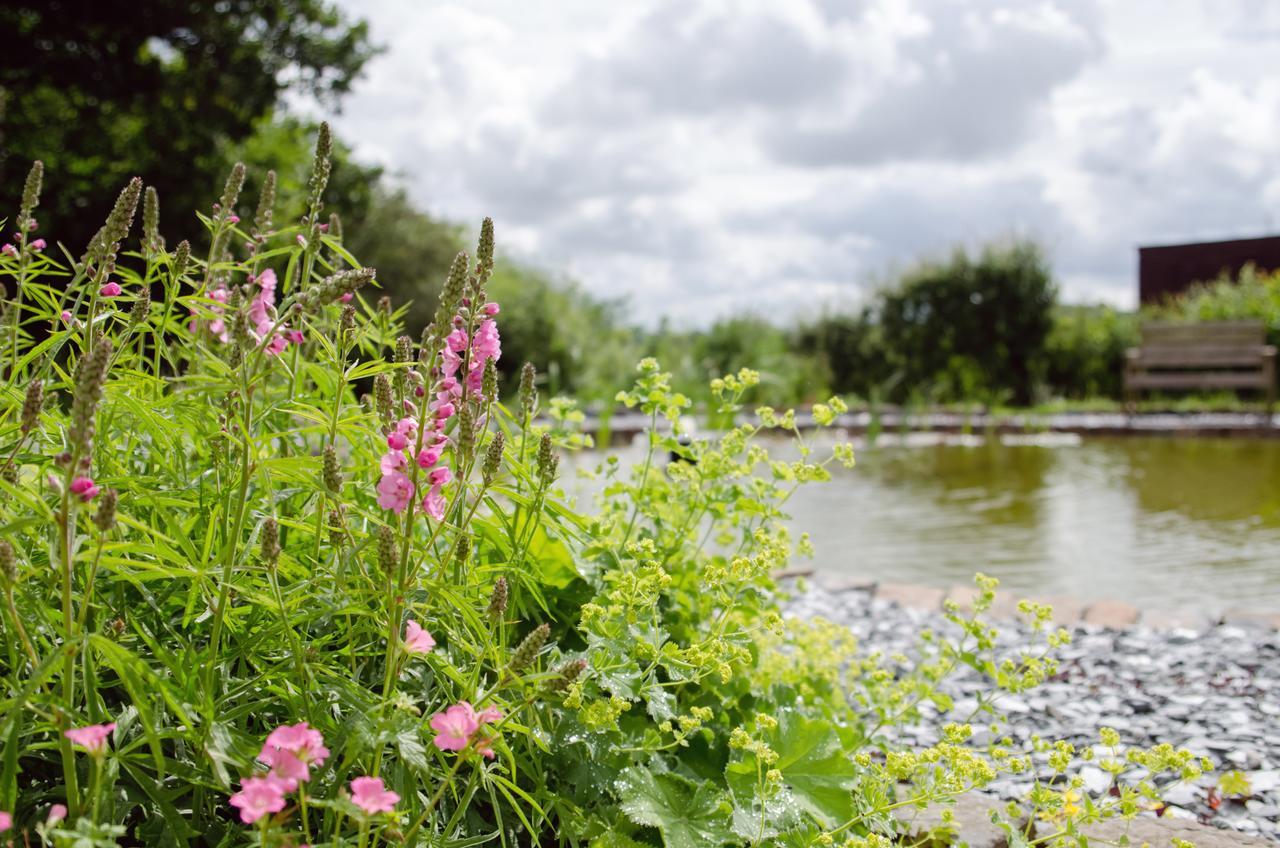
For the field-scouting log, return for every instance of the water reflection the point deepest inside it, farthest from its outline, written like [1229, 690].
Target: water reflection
[1171, 523]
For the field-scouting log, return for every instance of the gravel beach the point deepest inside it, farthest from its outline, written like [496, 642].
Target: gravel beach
[1215, 691]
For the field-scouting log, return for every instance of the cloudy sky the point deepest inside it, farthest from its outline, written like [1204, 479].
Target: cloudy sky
[706, 157]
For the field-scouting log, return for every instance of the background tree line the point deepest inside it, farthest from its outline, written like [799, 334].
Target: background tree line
[190, 87]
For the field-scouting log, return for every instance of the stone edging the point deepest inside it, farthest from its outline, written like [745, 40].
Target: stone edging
[1068, 611]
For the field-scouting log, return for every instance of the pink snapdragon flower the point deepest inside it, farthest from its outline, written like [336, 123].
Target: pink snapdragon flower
[417, 640]
[370, 795]
[433, 503]
[57, 813]
[487, 344]
[490, 308]
[259, 796]
[395, 490]
[38, 245]
[9, 250]
[393, 460]
[430, 455]
[85, 489]
[6, 821]
[111, 289]
[66, 316]
[92, 738]
[397, 441]
[456, 341]
[347, 297]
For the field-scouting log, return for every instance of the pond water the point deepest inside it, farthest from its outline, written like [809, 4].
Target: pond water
[1168, 523]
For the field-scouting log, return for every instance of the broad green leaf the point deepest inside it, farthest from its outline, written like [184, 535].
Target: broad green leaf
[690, 815]
[818, 771]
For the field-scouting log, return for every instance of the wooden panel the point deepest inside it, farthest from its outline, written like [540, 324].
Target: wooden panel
[1200, 355]
[1218, 332]
[1197, 380]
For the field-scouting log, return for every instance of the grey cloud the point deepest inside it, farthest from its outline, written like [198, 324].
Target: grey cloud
[972, 87]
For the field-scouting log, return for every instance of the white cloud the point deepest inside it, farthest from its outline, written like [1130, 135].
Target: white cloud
[704, 156]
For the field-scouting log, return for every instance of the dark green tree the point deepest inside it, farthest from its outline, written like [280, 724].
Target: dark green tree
[105, 90]
[971, 324]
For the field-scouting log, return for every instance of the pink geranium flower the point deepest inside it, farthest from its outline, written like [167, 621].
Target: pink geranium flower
[259, 796]
[84, 488]
[370, 795]
[417, 640]
[395, 490]
[111, 289]
[92, 738]
[303, 741]
[454, 727]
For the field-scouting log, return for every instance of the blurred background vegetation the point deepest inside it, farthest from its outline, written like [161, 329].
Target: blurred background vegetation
[190, 87]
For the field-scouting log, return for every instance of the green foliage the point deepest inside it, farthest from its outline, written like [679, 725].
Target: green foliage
[970, 324]
[156, 88]
[209, 537]
[1085, 350]
[1254, 294]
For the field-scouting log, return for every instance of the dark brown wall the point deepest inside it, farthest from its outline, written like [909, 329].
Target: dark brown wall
[1172, 269]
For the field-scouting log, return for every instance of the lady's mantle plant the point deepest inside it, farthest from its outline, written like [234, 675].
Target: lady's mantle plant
[275, 574]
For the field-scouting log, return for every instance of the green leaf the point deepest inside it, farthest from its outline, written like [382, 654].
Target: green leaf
[690, 815]
[815, 767]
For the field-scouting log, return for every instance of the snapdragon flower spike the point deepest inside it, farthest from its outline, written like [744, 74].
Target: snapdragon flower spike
[259, 796]
[372, 796]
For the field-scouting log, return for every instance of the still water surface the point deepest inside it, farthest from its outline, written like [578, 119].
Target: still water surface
[1170, 523]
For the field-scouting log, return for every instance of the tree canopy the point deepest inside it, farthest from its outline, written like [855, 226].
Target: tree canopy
[105, 90]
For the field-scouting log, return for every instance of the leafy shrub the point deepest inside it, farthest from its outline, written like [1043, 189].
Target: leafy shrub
[246, 606]
[1254, 294]
[1084, 354]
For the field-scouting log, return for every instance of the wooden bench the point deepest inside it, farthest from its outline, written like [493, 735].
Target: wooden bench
[1214, 355]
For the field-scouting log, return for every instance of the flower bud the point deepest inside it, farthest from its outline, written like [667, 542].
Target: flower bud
[466, 434]
[454, 287]
[484, 250]
[498, 600]
[320, 166]
[102, 247]
[347, 322]
[151, 240]
[266, 205]
[91, 374]
[105, 518]
[8, 563]
[384, 305]
[141, 307]
[31, 406]
[336, 534]
[332, 472]
[181, 256]
[462, 551]
[382, 398]
[231, 189]
[527, 651]
[493, 457]
[489, 380]
[387, 550]
[334, 286]
[269, 548]
[30, 195]
[335, 226]
[528, 391]
[544, 457]
[567, 675]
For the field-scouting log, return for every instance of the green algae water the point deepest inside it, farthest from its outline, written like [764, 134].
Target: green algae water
[1163, 523]
[1172, 523]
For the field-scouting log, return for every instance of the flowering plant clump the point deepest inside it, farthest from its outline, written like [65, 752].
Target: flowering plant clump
[274, 573]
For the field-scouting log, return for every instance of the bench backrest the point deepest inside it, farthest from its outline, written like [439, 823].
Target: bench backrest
[1240, 334]
[1218, 344]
